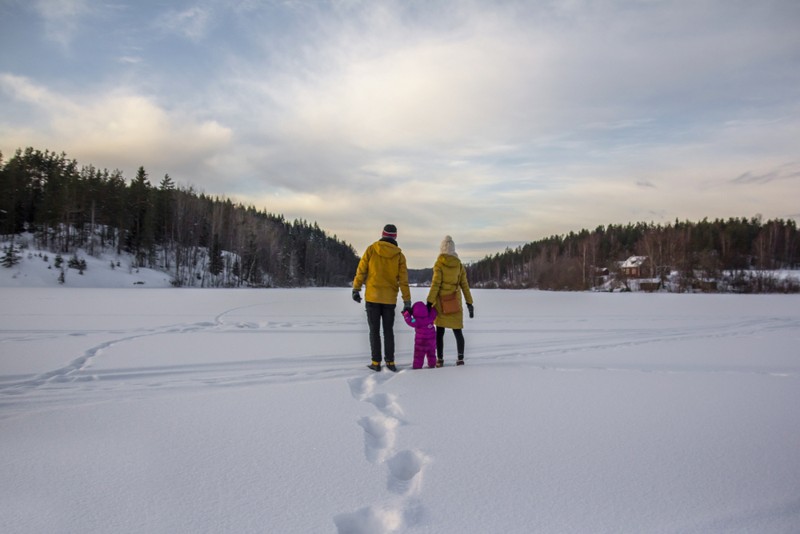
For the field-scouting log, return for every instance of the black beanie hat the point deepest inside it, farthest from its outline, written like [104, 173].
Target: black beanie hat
[390, 231]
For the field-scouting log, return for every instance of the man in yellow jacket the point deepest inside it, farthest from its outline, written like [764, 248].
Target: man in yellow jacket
[383, 269]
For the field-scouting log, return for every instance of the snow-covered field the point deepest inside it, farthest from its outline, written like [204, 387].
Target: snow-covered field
[181, 410]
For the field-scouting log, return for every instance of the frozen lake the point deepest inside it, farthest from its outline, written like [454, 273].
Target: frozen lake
[179, 410]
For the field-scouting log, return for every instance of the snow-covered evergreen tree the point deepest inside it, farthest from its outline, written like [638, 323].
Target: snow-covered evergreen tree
[11, 256]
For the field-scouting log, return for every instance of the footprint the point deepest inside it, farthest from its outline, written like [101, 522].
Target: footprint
[379, 436]
[362, 387]
[407, 464]
[405, 470]
[369, 520]
[385, 403]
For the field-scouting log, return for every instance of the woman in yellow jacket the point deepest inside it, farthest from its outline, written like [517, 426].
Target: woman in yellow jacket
[449, 277]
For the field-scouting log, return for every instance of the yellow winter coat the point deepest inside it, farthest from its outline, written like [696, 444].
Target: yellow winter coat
[449, 276]
[383, 269]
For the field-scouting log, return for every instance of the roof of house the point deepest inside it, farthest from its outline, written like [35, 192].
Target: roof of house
[633, 261]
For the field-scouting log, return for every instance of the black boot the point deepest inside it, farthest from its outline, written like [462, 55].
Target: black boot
[375, 366]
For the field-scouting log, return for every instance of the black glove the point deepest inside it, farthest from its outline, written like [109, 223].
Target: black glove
[471, 309]
[429, 305]
[356, 295]
[407, 306]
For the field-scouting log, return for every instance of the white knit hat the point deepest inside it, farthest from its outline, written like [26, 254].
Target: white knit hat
[448, 247]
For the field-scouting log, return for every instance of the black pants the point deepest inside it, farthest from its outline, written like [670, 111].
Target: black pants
[440, 342]
[381, 315]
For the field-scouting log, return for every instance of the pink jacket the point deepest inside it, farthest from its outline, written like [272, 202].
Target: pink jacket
[422, 323]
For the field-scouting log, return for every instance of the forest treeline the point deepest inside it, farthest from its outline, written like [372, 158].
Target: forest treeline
[737, 254]
[202, 241]
[212, 242]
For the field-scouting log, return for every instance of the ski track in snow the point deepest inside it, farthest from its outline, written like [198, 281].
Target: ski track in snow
[71, 371]
[54, 385]
[405, 468]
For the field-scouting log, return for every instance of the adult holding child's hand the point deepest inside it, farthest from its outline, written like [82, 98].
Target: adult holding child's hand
[448, 285]
[382, 269]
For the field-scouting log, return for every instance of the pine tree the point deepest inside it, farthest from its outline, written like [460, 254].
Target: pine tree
[11, 256]
[216, 264]
[140, 231]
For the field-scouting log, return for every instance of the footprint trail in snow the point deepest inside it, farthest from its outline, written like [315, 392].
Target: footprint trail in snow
[404, 468]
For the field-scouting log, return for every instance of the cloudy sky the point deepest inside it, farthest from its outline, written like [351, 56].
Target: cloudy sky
[498, 122]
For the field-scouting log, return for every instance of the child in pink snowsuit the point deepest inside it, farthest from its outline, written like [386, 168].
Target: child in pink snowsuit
[421, 320]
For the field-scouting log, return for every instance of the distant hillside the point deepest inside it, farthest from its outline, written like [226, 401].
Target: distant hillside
[201, 241]
[736, 254]
[420, 277]
[41, 268]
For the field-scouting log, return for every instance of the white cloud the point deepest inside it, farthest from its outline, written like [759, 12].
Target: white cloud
[130, 60]
[191, 23]
[379, 92]
[61, 18]
[117, 129]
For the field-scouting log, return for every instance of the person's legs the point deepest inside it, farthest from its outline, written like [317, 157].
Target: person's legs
[439, 345]
[419, 356]
[459, 343]
[430, 351]
[374, 322]
[387, 318]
